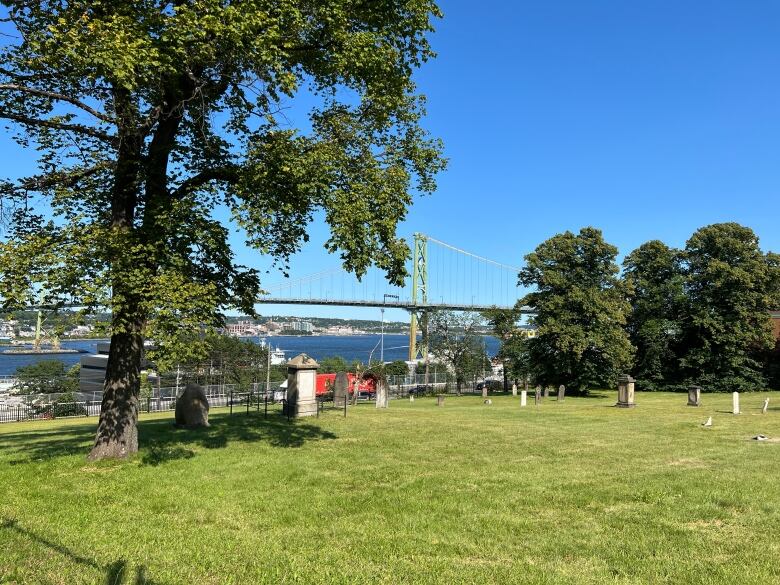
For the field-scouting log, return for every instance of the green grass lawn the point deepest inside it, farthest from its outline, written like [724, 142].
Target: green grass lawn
[577, 492]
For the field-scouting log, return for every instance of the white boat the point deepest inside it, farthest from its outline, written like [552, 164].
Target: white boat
[277, 355]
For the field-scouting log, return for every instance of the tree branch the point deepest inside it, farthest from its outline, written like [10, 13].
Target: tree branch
[57, 96]
[228, 174]
[77, 128]
[40, 182]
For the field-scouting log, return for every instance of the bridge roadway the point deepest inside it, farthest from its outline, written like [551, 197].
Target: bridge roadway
[391, 304]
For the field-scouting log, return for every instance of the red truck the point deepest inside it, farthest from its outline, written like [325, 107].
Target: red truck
[366, 386]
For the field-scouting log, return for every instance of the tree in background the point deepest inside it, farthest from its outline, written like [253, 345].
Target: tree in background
[514, 342]
[147, 116]
[455, 339]
[731, 287]
[397, 368]
[335, 364]
[46, 377]
[581, 311]
[655, 276]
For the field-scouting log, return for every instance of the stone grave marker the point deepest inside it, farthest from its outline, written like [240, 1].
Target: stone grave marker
[514, 389]
[694, 395]
[523, 397]
[440, 400]
[625, 392]
[561, 393]
[340, 388]
[546, 391]
[735, 403]
[766, 406]
[538, 395]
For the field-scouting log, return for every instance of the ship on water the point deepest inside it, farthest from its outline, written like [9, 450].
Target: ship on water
[42, 345]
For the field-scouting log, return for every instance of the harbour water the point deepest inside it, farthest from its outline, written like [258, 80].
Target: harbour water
[351, 347]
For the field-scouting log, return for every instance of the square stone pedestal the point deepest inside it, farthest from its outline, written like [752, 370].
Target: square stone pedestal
[301, 386]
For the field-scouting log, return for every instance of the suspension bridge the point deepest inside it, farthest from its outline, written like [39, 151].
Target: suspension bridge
[442, 277]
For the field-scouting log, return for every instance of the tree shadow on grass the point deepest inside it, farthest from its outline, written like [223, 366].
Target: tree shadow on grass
[115, 573]
[161, 442]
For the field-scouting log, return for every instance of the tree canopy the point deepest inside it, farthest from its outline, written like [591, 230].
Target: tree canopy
[730, 290]
[454, 339]
[153, 121]
[581, 311]
[654, 272]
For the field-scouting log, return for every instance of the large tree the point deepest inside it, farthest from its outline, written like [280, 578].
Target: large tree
[731, 287]
[159, 126]
[581, 309]
[655, 275]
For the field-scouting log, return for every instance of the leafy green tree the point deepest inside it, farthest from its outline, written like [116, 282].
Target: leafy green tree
[454, 339]
[46, 377]
[513, 351]
[730, 291]
[397, 368]
[655, 274]
[581, 310]
[149, 116]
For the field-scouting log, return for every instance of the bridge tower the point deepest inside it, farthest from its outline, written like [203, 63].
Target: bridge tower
[419, 319]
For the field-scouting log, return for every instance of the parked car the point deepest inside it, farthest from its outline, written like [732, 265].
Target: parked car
[421, 389]
[492, 385]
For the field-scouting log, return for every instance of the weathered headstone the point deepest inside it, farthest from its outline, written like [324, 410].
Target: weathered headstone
[381, 393]
[708, 422]
[523, 397]
[192, 408]
[484, 390]
[538, 396]
[766, 406]
[340, 388]
[735, 403]
[514, 389]
[301, 386]
[694, 395]
[488, 401]
[561, 393]
[440, 400]
[625, 392]
[546, 391]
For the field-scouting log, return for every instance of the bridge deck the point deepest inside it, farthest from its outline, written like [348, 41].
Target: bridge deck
[392, 304]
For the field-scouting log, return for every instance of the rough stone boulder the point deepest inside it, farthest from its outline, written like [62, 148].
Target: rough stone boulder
[192, 408]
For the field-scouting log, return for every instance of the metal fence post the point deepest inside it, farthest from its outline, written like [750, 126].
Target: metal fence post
[248, 400]
[265, 414]
[345, 406]
[231, 402]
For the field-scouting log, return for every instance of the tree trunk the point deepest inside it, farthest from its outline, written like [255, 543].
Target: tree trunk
[117, 433]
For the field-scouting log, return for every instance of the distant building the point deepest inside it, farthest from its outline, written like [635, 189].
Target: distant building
[299, 326]
[241, 328]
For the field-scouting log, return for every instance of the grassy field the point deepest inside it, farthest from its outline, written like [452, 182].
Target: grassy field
[576, 492]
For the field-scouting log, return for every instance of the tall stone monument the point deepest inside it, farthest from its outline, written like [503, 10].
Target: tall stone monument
[625, 392]
[301, 386]
[514, 389]
[546, 391]
[538, 396]
[694, 395]
[735, 403]
[561, 393]
[523, 397]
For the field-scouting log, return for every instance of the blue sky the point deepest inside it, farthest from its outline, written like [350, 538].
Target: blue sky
[645, 119]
